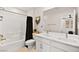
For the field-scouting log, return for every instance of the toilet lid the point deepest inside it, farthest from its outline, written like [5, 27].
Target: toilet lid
[30, 41]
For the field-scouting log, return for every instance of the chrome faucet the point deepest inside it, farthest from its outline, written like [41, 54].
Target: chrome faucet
[66, 35]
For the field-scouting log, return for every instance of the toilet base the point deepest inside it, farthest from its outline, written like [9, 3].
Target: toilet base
[26, 46]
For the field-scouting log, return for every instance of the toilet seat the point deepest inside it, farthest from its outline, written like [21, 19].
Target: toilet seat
[30, 41]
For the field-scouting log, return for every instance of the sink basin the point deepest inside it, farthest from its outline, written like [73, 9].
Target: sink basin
[56, 35]
[72, 40]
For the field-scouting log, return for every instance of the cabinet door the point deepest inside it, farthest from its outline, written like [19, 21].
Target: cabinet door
[39, 45]
[42, 44]
[46, 48]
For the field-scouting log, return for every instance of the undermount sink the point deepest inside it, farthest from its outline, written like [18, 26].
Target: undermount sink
[57, 35]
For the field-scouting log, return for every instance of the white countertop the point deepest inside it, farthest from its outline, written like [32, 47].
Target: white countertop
[72, 40]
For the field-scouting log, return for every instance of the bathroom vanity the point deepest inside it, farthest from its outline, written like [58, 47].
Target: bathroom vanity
[56, 42]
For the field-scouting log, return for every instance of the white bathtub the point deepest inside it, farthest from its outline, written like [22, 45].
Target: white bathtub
[57, 42]
[12, 44]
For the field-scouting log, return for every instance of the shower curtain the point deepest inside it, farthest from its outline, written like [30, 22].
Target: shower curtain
[29, 28]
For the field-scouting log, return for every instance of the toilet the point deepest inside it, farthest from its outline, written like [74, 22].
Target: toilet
[30, 43]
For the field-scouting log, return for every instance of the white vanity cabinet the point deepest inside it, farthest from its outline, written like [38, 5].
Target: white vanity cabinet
[45, 45]
[40, 45]
[55, 43]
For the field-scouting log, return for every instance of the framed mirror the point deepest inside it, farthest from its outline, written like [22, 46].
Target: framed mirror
[37, 20]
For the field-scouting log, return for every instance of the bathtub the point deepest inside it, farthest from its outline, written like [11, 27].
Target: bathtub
[12, 44]
[57, 42]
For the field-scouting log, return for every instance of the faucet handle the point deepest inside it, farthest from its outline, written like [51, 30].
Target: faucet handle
[1, 35]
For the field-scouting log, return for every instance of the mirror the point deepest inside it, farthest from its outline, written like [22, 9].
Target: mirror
[37, 20]
[61, 19]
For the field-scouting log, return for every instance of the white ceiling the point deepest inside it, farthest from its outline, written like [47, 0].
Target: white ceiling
[26, 8]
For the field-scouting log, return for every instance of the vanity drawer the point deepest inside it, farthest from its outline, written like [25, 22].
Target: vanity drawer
[55, 49]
